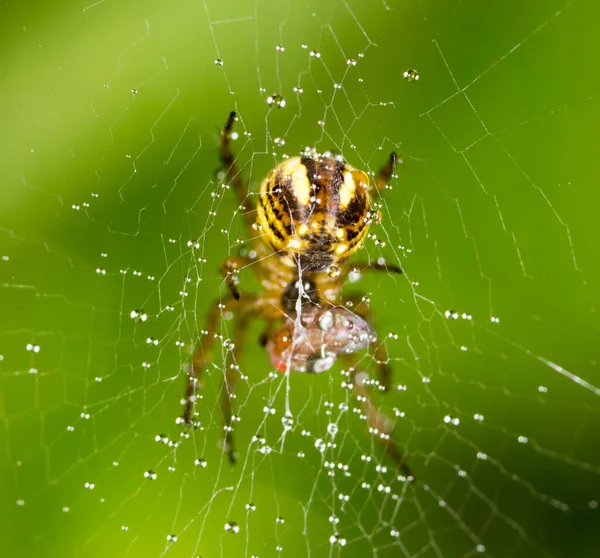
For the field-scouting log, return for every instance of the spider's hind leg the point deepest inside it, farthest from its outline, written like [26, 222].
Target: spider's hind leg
[232, 172]
[380, 426]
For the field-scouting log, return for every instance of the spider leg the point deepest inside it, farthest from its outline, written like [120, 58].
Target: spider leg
[229, 383]
[203, 353]
[382, 178]
[382, 358]
[379, 265]
[230, 269]
[232, 172]
[379, 424]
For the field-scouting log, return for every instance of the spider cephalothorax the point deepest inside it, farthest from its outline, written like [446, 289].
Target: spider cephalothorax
[312, 214]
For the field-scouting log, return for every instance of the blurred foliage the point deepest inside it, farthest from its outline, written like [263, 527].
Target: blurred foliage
[109, 168]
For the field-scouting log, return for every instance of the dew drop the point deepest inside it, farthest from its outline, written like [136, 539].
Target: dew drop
[411, 75]
[336, 540]
[218, 62]
[138, 315]
[333, 271]
[150, 474]
[276, 100]
[232, 527]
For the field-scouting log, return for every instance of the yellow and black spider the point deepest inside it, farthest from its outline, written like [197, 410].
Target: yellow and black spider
[313, 213]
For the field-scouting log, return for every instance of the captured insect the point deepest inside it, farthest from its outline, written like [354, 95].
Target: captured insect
[312, 214]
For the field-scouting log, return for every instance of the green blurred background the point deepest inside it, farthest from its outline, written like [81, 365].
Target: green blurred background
[110, 116]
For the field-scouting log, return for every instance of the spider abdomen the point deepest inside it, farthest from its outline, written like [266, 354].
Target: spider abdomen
[314, 211]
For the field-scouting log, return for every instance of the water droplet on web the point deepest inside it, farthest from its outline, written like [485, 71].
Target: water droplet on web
[354, 275]
[250, 506]
[411, 75]
[336, 540]
[351, 62]
[280, 520]
[138, 315]
[150, 474]
[172, 537]
[288, 422]
[333, 271]
[279, 141]
[218, 62]
[480, 548]
[256, 226]
[276, 100]
[200, 462]
[232, 527]
[134, 91]
[279, 48]
[332, 428]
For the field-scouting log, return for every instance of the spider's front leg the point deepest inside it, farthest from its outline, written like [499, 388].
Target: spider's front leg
[232, 172]
[379, 265]
[380, 426]
[382, 178]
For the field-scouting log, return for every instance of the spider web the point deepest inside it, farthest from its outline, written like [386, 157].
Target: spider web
[115, 220]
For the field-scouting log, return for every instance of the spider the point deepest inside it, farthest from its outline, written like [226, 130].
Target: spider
[312, 214]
